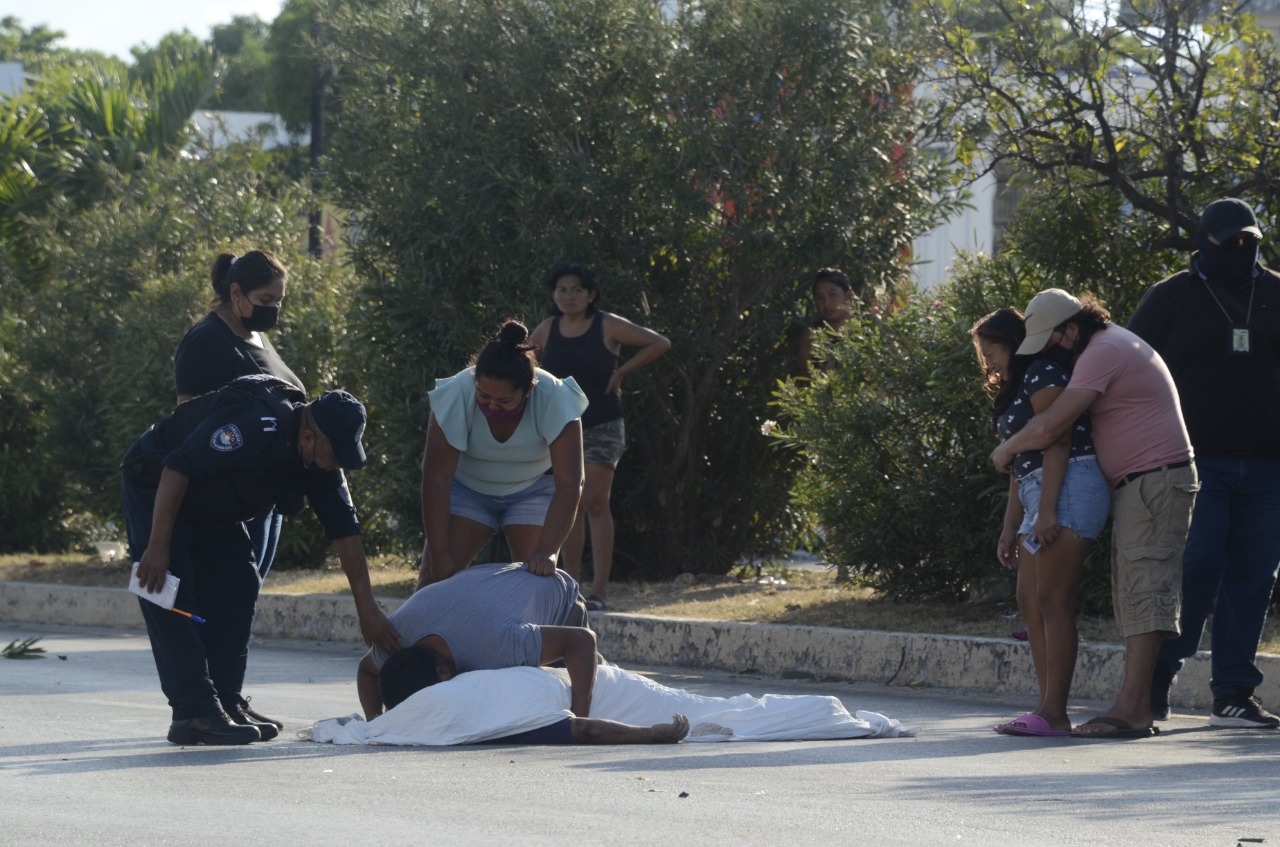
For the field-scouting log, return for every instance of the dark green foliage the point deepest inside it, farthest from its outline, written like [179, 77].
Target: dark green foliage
[898, 432]
[702, 158]
[244, 77]
[896, 435]
[289, 50]
[24, 649]
[89, 343]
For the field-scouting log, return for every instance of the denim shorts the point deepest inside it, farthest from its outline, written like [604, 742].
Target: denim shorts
[1083, 503]
[603, 443]
[527, 507]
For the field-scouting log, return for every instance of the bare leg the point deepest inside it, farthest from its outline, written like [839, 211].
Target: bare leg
[521, 540]
[1133, 703]
[1058, 568]
[600, 731]
[466, 539]
[1029, 606]
[596, 491]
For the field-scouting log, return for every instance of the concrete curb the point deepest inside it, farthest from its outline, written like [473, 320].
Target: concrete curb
[996, 665]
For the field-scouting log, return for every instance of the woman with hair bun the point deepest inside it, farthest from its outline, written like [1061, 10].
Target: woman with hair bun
[229, 342]
[504, 452]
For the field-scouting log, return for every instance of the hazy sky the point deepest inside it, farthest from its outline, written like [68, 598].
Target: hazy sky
[115, 27]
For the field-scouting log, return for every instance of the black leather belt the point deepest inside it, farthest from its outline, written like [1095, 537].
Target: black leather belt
[1128, 478]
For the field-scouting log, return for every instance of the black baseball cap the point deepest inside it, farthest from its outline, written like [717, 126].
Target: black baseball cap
[1227, 217]
[341, 419]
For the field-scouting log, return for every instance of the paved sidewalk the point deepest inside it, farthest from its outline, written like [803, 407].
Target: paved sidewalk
[992, 665]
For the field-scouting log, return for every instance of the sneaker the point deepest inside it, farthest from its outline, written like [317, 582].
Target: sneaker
[1242, 712]
[1162, 679]
[217, 728]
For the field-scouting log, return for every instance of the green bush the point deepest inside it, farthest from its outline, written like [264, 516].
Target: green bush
[129, 274]
[701, 157]
[896, 434]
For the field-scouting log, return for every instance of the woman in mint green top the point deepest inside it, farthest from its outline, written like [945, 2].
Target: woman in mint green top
[504, 451]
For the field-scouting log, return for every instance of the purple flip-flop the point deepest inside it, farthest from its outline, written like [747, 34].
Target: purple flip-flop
[1032, 724]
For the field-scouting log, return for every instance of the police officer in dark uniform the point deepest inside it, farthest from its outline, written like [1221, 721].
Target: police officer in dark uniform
[189, 484]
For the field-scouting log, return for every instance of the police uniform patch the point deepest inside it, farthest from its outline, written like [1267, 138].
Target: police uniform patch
[226, 439]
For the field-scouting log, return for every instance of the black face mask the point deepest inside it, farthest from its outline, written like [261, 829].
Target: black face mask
[1058, 355]
[1220, 264]
[262, 319]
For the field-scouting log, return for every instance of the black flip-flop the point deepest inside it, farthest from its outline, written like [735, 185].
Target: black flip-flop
[1123, 730]
[595, 603]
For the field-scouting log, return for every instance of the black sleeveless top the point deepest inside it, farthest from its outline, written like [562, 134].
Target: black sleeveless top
[590, 363]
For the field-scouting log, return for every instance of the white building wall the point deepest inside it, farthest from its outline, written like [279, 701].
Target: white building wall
[972, 230]
[221, 128]
[10, 78]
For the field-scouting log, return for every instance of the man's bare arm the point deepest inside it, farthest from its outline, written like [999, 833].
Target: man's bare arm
[154, 562]
[600, 731]
[1045, 428]
[374, 626]
[367, 687]
[577, 647]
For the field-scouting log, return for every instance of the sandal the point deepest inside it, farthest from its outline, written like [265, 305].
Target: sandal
[596, 603]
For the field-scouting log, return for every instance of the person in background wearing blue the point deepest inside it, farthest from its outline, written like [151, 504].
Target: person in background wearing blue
[1217, 326]
[504, 452]
[1058, 504]
[189, 483]
[583, 342]
[230, 342]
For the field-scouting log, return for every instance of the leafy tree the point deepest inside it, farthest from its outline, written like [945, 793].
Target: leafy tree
[85, 120]
[32, 47]
[290, 49]
[84, 379]
[244, 81]
[703, 157]
[1168, 105]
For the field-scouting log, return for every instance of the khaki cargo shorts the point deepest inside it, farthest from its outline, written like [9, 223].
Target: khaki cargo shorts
[1151, 516]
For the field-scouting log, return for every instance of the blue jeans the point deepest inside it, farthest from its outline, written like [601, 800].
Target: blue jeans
[201, 666]
[1233, 554]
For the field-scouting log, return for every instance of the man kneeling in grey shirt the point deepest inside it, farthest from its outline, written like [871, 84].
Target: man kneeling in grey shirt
[488, 617]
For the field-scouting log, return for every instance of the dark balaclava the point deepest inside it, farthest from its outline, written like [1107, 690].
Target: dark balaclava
[1224, 219]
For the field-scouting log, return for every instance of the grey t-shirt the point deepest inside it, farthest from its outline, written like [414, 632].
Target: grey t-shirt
[489, 615]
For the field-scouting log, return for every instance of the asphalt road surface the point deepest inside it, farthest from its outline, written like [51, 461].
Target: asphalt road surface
[83, 760]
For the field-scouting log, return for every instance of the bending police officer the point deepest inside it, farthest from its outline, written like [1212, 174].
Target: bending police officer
[189, 484]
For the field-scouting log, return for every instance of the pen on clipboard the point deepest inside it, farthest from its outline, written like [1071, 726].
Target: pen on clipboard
[195, 618]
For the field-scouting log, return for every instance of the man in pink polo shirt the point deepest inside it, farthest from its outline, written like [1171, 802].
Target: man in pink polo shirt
[1144, 452]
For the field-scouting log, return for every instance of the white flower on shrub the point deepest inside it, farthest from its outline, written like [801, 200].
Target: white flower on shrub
[767, 427]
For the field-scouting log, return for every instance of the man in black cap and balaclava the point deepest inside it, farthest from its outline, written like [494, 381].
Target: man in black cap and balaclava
[1217, 326]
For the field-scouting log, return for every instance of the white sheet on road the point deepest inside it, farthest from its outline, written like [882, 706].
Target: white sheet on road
[486, 705]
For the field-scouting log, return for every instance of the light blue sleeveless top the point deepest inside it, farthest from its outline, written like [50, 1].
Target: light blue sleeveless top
[498, 468]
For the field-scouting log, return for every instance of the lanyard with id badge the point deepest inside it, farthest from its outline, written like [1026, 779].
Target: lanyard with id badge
[1241, 341]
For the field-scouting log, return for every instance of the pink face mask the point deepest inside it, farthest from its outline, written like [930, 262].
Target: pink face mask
[494, 416]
